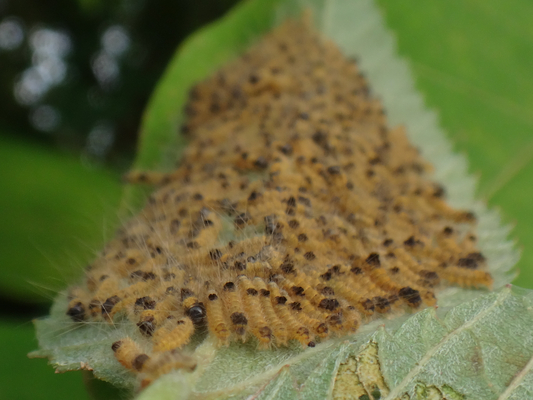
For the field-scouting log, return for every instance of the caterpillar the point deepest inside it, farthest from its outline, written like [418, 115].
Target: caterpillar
[295, 214]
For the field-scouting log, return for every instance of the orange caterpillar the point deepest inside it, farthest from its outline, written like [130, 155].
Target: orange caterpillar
[217, 318]
[296, 214]
[130, 355]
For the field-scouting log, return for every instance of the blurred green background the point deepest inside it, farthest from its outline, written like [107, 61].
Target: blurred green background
[75, 77]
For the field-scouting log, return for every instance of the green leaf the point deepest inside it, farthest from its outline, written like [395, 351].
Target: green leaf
[402, 356]
[480, 349]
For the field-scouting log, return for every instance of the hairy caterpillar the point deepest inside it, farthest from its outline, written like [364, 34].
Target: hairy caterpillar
[295, 214]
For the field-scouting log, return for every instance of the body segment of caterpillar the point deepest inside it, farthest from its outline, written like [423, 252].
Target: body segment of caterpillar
[295, 214]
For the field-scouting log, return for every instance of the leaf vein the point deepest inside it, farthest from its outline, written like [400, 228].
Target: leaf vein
[429, 355]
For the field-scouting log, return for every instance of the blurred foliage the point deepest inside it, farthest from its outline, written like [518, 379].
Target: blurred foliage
[471, 59]
[22, 378]
[55, 217]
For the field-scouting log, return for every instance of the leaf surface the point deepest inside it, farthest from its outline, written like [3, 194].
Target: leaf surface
[423, 356]
[480, 349]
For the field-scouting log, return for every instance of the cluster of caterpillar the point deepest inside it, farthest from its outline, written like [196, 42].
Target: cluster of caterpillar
[295, 213]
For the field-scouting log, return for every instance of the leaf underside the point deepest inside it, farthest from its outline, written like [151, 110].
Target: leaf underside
[477, 345]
